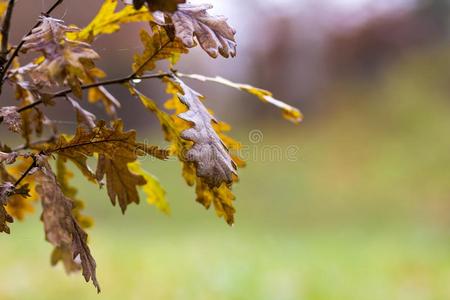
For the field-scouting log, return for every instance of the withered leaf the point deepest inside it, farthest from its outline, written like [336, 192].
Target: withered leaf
[31, 120]
[221, 197]
[65, 61]
[8, 158]
[212, 32]
[120, 182]
[61, 228]
[64, 175]
[20, 203]
[6, 189]
[11, 118]
[11, 200]
[116, 149]
[210, 155]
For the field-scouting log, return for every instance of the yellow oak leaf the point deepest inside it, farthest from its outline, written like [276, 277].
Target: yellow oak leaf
[108, 20]
[155, 193]
[289, 112]
[157, 46]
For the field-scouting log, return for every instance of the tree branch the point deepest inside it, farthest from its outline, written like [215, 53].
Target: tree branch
[92, 85]
[5, 31]
[34, 164]
[9, 62]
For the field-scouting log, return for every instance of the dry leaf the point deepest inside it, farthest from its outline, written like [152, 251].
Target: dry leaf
[8, 158]
[212, 32]
[61, 228]
[11, 118]
[63, 176]
[116, 149]
[6, 189]
[210, 155]
[221, 197]
[65, 61]
[21, 202]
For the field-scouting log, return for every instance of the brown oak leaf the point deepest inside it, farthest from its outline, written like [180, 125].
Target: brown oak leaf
[61, 228]
[210, 155]
[116, 148]
[6, 189]
[65, 61]
[11, 118]
[212, 32]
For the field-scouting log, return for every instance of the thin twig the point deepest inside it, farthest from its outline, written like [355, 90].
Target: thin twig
[92, 85]
[33, 165]
[133, 75]
[5, 31]
[22, 42]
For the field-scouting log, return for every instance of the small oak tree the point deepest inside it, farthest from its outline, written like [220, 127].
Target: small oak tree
[65, 67]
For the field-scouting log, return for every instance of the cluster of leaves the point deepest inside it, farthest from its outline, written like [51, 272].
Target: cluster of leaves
[65, 66]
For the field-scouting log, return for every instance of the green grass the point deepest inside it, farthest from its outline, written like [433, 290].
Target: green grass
[196, 262]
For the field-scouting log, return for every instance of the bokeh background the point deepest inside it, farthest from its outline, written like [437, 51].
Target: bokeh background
[354, 203]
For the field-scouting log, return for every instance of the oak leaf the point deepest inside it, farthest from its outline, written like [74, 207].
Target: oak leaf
[61, 228]
[65, 61]
[221, 197]
[33, 120]
[213, 33]
[8, 158]
[108, 20]
[63, 176]
[209, 153]
[289, 112]
[155, 193]
[13, 200]
[22, 201]
[11, 118]
[115, 149]
[157, 46]
[6, 190]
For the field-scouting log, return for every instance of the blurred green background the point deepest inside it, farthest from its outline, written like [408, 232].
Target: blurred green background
[354, 204]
